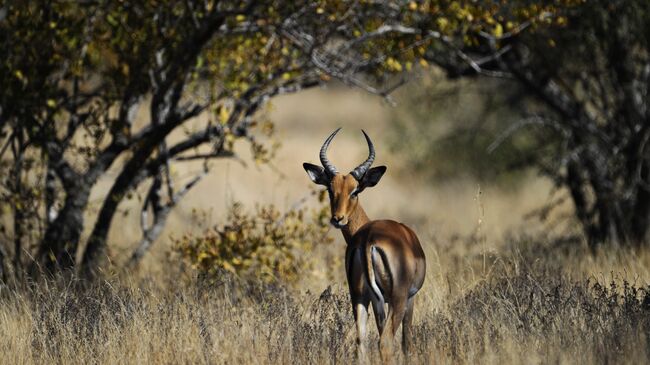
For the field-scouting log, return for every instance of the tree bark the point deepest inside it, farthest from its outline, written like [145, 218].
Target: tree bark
[3, 267]
[58, 248]
[641, 213]
[575, 185]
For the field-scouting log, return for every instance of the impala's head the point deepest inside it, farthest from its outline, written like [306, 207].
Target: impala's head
[344, 189]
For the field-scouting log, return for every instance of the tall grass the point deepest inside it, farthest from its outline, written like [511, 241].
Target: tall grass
[513, 306]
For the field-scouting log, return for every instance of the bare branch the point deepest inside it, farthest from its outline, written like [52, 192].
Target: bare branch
[534, 120]
[161, 213]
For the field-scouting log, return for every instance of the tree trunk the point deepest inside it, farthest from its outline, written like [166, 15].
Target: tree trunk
[641, 212]
[19, 206]
[3, 267]
[574, 182]
[59, 246]
[96, 247]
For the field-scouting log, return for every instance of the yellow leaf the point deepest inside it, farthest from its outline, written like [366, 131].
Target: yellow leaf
[498, 30]
[228, 267]
[393, 64]
[125, 69]
[240, 18]
[319, 11]
[231, 236]
[224, 114]
[51, 103]
[442, 23]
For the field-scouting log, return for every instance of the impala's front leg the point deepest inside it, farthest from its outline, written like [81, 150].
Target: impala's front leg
[358, 296]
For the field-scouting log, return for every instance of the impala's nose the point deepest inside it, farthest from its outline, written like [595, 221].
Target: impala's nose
[338, 221]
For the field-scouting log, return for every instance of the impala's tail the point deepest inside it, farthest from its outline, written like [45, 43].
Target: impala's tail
[370, 253]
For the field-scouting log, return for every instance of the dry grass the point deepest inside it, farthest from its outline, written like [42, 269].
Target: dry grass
[511, 307]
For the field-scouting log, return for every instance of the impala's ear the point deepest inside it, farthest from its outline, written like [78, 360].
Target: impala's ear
[316, 173]
[372, 177]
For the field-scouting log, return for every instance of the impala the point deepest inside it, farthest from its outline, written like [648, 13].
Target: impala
[384, 261]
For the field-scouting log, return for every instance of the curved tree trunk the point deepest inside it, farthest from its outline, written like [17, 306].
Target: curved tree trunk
[96, 247]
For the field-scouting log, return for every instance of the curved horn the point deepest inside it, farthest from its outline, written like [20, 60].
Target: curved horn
[361, 169]
[329, 167]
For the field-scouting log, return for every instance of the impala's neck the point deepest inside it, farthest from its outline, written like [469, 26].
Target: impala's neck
[355, 221]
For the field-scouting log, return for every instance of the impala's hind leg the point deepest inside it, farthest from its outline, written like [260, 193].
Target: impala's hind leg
[380, 314]
[407, 330]
[396, 315]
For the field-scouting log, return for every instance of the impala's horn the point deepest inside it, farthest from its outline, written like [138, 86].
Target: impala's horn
[329, 167]
[363, 168]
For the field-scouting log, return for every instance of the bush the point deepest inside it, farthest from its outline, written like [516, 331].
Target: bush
[266, 244]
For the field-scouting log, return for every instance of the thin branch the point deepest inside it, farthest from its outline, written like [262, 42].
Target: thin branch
[7, 143]
[204, 156]
[534, 120]
[161, 213]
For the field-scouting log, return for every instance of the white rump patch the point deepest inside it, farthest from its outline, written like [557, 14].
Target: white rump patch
[372, 280]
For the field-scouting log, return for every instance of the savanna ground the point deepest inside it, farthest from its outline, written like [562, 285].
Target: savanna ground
[500, 288]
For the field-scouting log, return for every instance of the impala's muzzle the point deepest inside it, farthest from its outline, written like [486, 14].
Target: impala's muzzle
[339, 221]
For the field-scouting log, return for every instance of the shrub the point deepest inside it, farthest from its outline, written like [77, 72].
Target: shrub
[265, 244]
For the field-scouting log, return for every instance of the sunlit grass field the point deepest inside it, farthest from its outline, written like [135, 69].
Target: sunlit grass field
[507, 307]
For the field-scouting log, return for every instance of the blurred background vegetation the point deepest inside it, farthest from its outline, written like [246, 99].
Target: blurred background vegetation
[455, 129]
